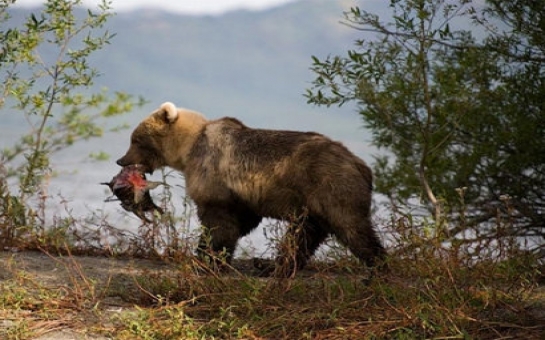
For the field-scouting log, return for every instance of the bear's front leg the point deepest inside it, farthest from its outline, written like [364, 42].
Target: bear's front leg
[222, 228]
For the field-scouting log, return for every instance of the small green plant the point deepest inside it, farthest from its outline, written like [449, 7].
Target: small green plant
[47, 81]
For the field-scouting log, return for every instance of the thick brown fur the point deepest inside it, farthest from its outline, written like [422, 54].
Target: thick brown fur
[237, 175]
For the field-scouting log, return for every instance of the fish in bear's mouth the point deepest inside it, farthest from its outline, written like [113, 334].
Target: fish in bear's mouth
[131, 188]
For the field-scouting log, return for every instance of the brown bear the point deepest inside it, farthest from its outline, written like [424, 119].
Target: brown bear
[236, 175]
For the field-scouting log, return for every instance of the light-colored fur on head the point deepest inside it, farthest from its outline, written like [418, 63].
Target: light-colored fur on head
[188, 126]
[171, 112]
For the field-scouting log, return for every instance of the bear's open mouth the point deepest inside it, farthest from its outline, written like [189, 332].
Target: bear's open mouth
[143, 168]
[148, 170]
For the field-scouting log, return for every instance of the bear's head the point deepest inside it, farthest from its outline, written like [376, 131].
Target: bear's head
[164, 138]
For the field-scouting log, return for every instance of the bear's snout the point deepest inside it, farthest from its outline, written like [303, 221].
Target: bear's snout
[122, 162]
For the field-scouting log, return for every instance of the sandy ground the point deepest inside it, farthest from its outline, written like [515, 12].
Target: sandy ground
[43, 270]
[55, 272]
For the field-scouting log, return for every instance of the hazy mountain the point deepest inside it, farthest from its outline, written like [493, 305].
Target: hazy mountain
[253, 65]
[250, 64]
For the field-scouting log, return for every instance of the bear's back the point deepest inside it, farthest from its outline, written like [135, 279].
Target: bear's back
[228, 134]
[262, 166]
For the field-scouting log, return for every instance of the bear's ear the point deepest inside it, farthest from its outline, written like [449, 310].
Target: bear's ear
[169, 112]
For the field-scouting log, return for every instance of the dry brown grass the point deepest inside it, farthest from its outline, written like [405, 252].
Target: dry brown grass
[422, 297]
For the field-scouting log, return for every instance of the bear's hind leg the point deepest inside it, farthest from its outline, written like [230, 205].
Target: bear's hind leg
[298, 245]
[361, 239]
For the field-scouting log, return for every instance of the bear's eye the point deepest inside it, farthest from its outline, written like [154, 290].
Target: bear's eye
[136, 142]
[143, 145]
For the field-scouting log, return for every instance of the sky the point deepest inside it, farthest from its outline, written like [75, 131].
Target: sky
[181, 6]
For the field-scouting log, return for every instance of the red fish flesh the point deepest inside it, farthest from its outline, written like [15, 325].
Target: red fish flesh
[131, 188]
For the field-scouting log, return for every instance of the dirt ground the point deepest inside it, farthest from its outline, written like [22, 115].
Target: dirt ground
[54, 271]
[59, 272]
